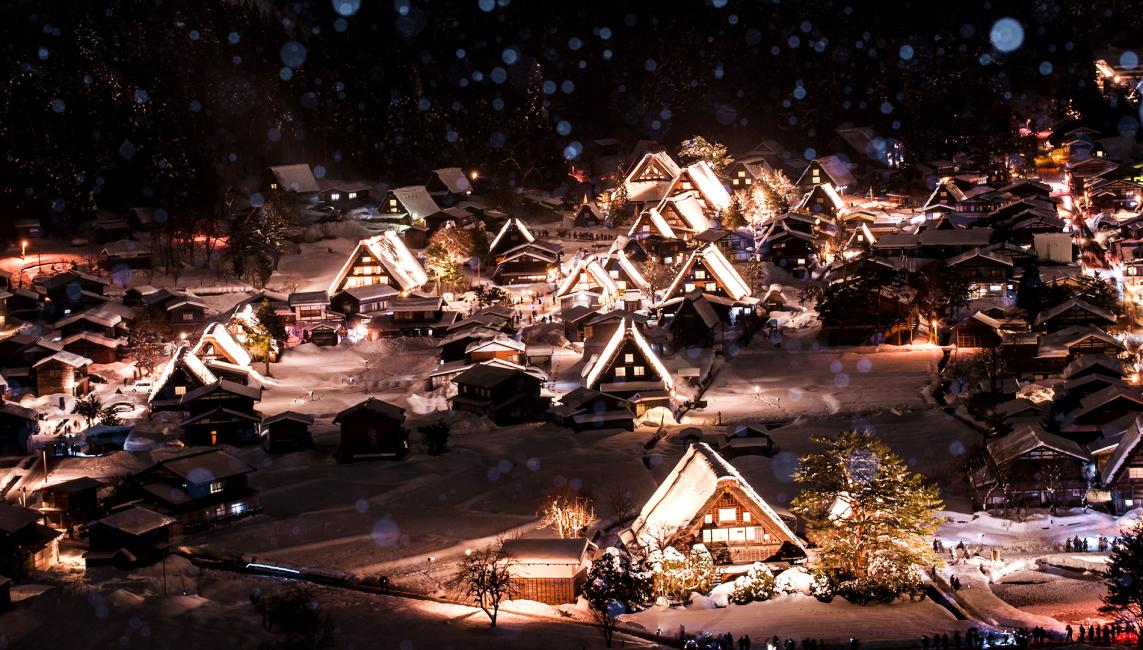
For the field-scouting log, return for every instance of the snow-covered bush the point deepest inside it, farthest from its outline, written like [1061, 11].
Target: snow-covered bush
[757, 584]
[677, 575]
[822, 587]
[795, 580]
[615, 577]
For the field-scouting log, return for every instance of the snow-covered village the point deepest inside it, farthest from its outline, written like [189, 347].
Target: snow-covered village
[507, 324]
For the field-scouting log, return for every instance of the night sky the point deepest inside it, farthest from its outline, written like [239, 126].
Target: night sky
[117, 103]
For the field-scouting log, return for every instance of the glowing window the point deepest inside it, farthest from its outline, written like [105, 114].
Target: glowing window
[638, 370]
[629, 358]
[620, 372]
[353, 195]
[727, 514]
[335, 196]
[1135, 472]
[216, 487]
[745, 516]
[709, 519]
[180, 390]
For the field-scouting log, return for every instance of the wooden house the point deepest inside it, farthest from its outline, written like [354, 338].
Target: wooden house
[700, 180]
[681, 216]
[297, 179]
[588, 284]
[527, 264]
[372, 429]
[583, 409]
[988, 273]
[822, 200]
[448, 185]
[184, 373]
[1055, 351]
[649, 180]
[25, 544]
[17, 424]
[107, 319]
[217, 343]
[325, 334]
[830, 169]
[1108, 404]
[512, 234]
[549, 571]
[383, 259]
[1121, 475]
[699, 319]
[576, 319]
[70, 504]
[504, 395]
[1073, 312]
[198, 488]
[504, 349]
[744, 175]
[586, 215]
[186, 314]
[625, 273]
[455, 345]
[747, 439]
[1042, 469]
[412, 315]
[98, 348]
[63, 372]
[343, 193]
[627, 367]
[287, 431]
[707, 270]
[705, 500]
[365, 300]
[130, 537]
[410, 203]
[309, 307]
[221, 413]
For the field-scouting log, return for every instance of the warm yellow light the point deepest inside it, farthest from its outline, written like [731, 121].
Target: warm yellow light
[475, 174]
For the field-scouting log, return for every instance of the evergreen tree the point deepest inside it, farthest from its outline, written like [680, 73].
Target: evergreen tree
[733, 217]
[88, 407]
[1030, 292]
[868, 515]
[270, 321]
[698, 148]
[1100, 293]
[1124, 569]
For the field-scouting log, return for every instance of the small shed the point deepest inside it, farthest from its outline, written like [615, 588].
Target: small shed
[747, 438]
[323, 335]
[129, 536]
[372, 429]
[70, 504]
[549, 570]
[287, 431]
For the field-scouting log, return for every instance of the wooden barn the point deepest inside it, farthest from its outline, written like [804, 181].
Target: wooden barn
[549, 570]
[372, 429]
[62, 373]
[287, 431]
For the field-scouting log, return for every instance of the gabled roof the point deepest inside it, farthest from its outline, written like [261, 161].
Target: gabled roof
[222, 410]
[295, 178]
[1093, 361]
[74, 485]
[708, 185]
[416, 201]
[687, 207]
[136, 521]
[720, 267]
[454, 179]
[65, 357]
[588, 264]
[1074, 303]
[308, 298]
[388, 249]
[955, 193]
[183, 357]
[651, 189]
[509, 224]
[625, 331]
[375, 406]
[13, 519]
[838, 170]
[223, 342]
[629, 267]
[95, 339]
[1124, 451]
[504, 343]
[289, 415]
[369, 292]
[806, 204]
[1030, 436]
[698, 477]
[1101, 398]
[983, 253]
[205, 466]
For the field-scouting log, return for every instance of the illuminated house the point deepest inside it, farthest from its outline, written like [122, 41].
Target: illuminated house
[700, 179]
[221, 412]
[372, 429]
[587, 284]
[293, 179]
[185, 372]
[25, 544]
[625, 273]
[549, 571]
[705, 500]
[512, 234]
[198, 488]
[822, 200]
[707, 270]
[383, 259]
[449, 185]
[216, 342]
[680, 216]
[63, 372]
[411, 201]
[650, 178]
[628, 367]
[831, 169]
[528, 263]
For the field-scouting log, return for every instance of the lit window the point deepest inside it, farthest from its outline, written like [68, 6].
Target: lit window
[353, 195]
[620, 372]
[689, 287]
[180, 390]
[801, 260]
[335, 196]
[273, 186]
[1135, 472]
[187, 316]
[700, 274]
[745, 516]
[710, 519]
[216, 487]
[727, 514]
[638, 370]
[629, 358]
[741, 174]
[614, 274]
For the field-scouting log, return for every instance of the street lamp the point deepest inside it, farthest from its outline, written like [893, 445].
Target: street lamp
[23, 248]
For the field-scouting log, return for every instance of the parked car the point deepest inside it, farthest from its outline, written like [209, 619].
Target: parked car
[142, 386]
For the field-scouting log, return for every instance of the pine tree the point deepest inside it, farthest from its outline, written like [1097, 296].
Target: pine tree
[1124, 569]
[615, 586]
[698, 148]
[868, 515]
[733, 216]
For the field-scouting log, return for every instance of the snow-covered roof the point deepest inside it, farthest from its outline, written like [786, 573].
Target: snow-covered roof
[629, 267]
[954, 192]
[720, 267]
[512, 223]
[1030, 436]
[831, 195]
[295, 178]
[1074, 303]
[591, 266]
[652, 188]
[708, 185]
[626, 330]
[697, 478]
[136, 521]
[416, 201]
[391, 252]
[224, 343]
[454, 179]
[186, 358]
[497, 342]
[67, 358]
[205, 466]
[1124, 451]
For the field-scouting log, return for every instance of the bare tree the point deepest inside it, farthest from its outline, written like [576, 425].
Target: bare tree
[568, 514]
[485, 576]
[621, 503]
